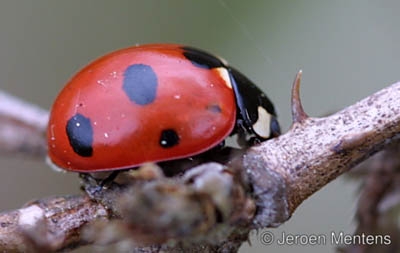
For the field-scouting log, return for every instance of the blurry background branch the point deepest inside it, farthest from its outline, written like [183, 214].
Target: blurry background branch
[22, 126]
[212, 207]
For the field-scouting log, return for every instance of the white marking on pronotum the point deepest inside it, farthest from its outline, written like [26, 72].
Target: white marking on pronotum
[223, 72]
[30, 215]
[262, 126]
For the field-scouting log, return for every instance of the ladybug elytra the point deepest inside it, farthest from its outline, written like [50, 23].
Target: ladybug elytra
[153, 103]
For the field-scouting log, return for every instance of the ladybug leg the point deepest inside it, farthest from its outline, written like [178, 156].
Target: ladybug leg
[87, 177]
[221, 145]
[109, 179]
[243, 134]
[242, 139]
[91, 183]
[219, 153]
[101, 183]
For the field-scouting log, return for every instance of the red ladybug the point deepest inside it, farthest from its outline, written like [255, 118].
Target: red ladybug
[153, 103]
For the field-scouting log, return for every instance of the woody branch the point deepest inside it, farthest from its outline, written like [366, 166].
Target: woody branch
[214, 205]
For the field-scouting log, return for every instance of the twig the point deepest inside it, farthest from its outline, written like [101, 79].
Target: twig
[379, 195]
[269, 181]
[53, 224]
[22, 126]
[286, 170]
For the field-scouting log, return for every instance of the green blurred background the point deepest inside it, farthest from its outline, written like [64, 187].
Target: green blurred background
[347, 50]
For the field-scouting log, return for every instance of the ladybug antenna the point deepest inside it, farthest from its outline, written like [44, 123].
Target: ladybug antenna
[298, 113]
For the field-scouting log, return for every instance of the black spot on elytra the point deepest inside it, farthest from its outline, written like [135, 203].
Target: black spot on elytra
[80, 135]
[201, 59]
[140, 84]
[214, 108]
[169, 138]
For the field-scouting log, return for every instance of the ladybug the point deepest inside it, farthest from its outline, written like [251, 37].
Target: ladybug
[153, 103]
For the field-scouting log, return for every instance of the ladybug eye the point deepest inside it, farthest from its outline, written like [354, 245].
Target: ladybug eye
[169, 138]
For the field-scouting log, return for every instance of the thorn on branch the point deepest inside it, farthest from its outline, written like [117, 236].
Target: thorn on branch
[298, 113]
